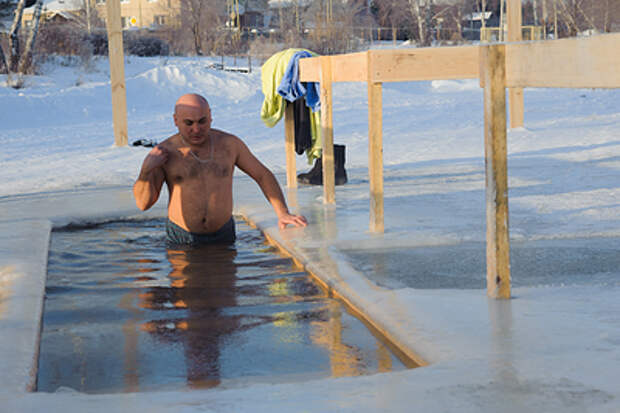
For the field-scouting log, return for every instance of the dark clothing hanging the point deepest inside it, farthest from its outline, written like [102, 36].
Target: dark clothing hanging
[303, 130]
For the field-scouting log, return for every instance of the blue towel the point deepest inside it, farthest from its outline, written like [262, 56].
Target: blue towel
[291, 88]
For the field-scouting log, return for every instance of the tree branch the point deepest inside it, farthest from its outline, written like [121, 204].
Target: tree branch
[26, 57]
[14, 37]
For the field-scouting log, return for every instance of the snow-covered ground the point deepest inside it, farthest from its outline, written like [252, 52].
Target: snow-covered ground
[564, 177]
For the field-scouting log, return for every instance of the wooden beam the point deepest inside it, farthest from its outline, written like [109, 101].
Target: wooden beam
[515, 95]
[375, 156]
[327, 131]
[578, 62]
[117, 72]
[517, 107]
[375, 152]
[289, 145]
[398, 65]
[592, 62]
[310, 69]
[345, 68]
[424, 64]
[498, 243]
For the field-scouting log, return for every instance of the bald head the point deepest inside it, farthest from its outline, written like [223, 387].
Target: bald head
[192, 116]
[191, 101]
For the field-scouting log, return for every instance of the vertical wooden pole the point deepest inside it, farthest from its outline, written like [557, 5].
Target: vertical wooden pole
[498, 244]
[327, 131]
[516, 107]
[289, 146]
[515, 95]
[117, 72]
[375, 150]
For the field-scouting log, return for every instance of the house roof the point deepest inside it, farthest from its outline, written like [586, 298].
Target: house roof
[276, 4]
[478, 16]
[60, 5]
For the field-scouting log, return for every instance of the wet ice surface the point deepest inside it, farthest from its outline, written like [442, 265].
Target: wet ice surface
[583, 261]
[124, 314]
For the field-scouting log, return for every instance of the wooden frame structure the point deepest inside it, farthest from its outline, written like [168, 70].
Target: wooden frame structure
[376, 67]
[515, 34]
[567, 63]
[117, 72]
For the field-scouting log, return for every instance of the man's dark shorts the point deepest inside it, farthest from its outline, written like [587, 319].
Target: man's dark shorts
[175, 235]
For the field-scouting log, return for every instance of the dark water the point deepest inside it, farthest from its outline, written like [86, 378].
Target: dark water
[124, 314]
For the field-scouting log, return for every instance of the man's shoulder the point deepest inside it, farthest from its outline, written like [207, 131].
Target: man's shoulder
[226, 138]
[170, 143]
[221, 134]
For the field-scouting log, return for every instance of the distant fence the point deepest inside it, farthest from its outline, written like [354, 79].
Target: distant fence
[239, 63]
[492, 34]
[566, 63]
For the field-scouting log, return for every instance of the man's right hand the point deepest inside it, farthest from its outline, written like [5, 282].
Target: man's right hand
[156, 158]
[148, 185]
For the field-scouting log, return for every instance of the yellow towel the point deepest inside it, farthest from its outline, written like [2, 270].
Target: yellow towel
[273, 107]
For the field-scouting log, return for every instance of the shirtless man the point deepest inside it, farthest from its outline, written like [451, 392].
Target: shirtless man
[197, 165]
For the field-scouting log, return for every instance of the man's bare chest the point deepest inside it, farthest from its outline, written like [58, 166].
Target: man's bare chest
[189, 169]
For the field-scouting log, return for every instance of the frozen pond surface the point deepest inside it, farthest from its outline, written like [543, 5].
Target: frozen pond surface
[557, 262]
[125, 314]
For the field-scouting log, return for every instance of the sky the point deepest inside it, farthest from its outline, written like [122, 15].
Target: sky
[564, 168]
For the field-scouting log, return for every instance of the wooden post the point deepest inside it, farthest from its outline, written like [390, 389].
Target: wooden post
[289, 145]
[327, 131]
[375, 150]
[498, 243]
[515, 95]
[117, 72]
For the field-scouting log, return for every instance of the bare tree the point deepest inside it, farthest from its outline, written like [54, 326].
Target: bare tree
[4, 68]
[14, 36]
[456, 14]
[14, 64]
[419, 10]
[26, 59]
[333, 26]
[544, 17]
[201, 18]
[390, 13]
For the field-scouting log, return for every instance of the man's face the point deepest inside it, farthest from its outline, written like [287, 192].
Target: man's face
[193, 122]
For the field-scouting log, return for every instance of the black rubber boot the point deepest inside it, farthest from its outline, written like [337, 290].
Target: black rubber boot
[339, 159]
[317, 169]
[315, 175]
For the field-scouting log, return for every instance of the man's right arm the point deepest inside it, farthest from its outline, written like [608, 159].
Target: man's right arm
[148, 185]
